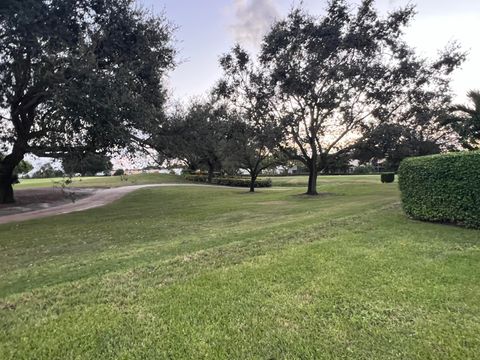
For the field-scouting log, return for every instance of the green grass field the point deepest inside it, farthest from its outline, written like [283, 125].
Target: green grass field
[206, 273]
[140, 179]
[100, 181]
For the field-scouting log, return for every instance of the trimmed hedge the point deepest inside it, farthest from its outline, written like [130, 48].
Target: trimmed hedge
[387, 177]
[230, 181]
[442, 188]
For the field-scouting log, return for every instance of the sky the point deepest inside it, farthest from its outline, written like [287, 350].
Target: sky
[207, 29]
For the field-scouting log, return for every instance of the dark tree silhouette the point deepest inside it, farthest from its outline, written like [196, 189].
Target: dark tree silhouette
[82, 76]
[196, 135]
[86, 164]
[343, 72]
[465, 120]
[255, 134]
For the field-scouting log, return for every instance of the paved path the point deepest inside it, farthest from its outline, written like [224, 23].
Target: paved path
[100, 197]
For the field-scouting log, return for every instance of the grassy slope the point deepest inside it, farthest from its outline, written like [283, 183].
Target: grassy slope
[219, 273]
[101, 181]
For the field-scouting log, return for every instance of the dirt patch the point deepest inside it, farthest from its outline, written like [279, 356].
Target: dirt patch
[42, 198]
[35, 196]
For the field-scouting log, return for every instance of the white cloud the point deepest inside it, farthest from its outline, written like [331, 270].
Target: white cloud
[253, 19]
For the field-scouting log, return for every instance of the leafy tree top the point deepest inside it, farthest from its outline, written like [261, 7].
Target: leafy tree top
[80, 74]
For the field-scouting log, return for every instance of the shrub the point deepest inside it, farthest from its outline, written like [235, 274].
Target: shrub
[443, 188]
[119, 172]
[363, 170]
[387, 177]
[230, 181]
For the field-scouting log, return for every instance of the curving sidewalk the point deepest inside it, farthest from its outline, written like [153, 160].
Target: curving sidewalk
[99, 197]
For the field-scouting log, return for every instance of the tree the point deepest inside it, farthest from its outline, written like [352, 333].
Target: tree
[465, 120]
[337, 74]
[250, 147]
[389, 143]
[195, 135]
[255, 134]
[78, 76]
[23, 167]
[86, 164]
[47, 171]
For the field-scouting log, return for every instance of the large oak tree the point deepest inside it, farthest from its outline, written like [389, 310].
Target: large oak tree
[341, 73]
[78, 76]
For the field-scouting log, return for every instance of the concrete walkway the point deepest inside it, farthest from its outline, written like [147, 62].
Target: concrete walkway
[99, 197]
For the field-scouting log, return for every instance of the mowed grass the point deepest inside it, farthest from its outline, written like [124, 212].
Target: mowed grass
[100, 181]
[301, 180]
[217, 273]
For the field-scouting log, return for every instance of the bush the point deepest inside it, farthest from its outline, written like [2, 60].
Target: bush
[230, 181]
[443, 188]
[387, 177]
[119, 172]
[363, 170]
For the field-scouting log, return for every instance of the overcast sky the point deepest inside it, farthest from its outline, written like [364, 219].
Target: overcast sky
[209, 28]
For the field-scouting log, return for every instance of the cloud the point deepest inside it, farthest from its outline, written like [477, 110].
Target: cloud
[253, 20]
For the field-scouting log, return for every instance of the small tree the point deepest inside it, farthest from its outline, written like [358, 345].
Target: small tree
[255, 135]
[196, 135]
[250, 148]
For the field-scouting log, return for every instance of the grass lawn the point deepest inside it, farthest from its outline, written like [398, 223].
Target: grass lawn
[205, 273]
[325, 179]
[100, 181]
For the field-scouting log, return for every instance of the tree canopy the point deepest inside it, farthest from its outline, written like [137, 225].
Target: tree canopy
[196, 134]
[254, 132]
[465, 120]
[86, 164]
[78, 76]
[333, 78]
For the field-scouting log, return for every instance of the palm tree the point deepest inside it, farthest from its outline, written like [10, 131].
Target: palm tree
[465, 120]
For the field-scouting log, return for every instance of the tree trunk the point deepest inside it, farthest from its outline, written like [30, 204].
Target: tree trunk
[210, 173]
[6, 188]
[7, 168]
[312, 178]
[253, 178]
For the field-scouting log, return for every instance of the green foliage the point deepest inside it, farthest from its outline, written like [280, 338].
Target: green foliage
[47, 171]
[23, 167]
[390, 143]
[363, 170]
[79, 76]
[196, 135]
[119, 172]
[387, 177]
[86, 164]
[230, 181]
[465, 120]
[443, 188]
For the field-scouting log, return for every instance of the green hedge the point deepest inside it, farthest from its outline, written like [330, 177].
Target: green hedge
[443, 188]
[387, 177]
[230, 181]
